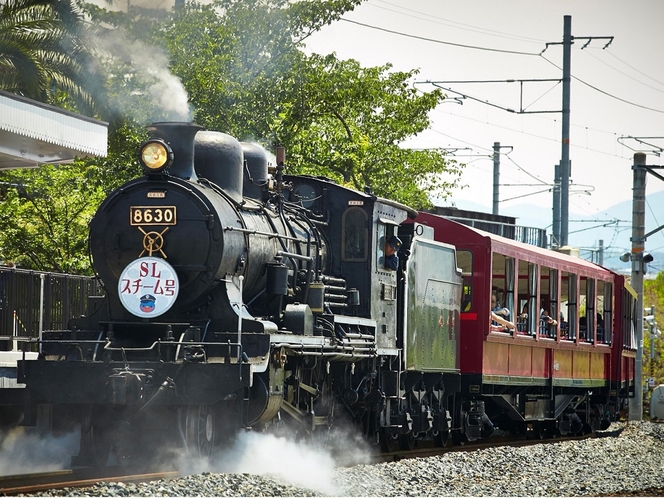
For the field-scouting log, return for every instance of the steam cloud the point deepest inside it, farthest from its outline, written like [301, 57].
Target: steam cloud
[300, 464]
[303, 464]
[23, 450]
[149, 65]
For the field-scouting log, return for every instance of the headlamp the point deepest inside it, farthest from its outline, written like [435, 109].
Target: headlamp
[155, 156]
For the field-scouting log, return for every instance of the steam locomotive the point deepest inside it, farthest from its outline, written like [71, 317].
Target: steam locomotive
[238, 296]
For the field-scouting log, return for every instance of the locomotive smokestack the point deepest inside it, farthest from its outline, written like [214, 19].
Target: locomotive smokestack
[180, 137]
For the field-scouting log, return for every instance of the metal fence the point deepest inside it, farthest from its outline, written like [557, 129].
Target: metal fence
[529, 235]
[32, 301]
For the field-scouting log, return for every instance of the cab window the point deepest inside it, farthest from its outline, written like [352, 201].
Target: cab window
[354, 235]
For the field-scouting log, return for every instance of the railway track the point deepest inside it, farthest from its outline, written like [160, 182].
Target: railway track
[78, 478]
[519, 441]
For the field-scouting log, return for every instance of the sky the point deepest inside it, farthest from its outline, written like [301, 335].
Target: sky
[617, 91]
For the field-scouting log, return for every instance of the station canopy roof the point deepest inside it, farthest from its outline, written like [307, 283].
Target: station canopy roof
[32, 133]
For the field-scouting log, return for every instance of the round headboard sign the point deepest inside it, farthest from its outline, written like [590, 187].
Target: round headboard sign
[148, 287]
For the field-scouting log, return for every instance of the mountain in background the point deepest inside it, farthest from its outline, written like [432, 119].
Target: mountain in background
[612, 225]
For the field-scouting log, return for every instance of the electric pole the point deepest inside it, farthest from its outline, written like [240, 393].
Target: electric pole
[638, 247]
[562, 236]
[496, 174]
[564, 158]
[556, 207]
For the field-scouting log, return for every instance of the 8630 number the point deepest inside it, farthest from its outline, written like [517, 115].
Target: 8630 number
[152, 215]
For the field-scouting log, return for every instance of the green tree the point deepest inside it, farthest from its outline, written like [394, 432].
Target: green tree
[44, 55]
[240, 65]
[246, 75]
[653, 295]
[44, 216]
[352, 128]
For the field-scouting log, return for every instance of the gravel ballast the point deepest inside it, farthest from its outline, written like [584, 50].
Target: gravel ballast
[632, 461]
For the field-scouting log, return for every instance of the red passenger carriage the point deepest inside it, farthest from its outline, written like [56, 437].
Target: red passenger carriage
[564, 374]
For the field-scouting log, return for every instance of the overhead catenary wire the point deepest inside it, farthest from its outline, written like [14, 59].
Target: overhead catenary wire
[525, 53]
[442, 42]
[455, 24]
[620, 99]
[490, 49]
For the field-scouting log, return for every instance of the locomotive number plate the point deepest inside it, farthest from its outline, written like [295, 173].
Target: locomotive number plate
[152, 215]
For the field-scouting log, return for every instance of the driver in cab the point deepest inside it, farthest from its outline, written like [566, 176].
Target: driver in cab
[391, 247]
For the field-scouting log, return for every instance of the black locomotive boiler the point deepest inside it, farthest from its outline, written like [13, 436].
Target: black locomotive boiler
[241, 297]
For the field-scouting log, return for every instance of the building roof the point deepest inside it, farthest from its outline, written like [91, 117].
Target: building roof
[32, 133]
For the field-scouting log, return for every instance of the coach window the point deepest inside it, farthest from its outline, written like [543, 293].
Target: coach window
[522, 297]
[533, 308]
[354, 233]
[509, 286]
[591, 318]
[572, 309]
[465, 264]
[629, 319]
[500, 265]
[549, 299]
[607, 315]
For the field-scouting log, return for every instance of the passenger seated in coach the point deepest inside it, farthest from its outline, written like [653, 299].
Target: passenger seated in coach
[498, 321]
[563, 326]
[583, 328]
[522, 319]
[600, 328]
[547, 323]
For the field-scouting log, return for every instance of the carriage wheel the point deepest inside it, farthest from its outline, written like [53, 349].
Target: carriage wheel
[200, 430]
[388, 442]
[459, 438]
[539, 430]
[441, 439]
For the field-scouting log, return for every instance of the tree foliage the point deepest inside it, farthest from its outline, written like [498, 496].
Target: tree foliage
[240, 67]
[44, 54]
[352, 126]
[246, 75]
[44, 217]
[653, 295]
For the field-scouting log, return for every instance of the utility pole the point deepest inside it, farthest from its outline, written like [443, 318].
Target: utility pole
[638, 247]
[561, 236]
[600, 253]
[496, 175]
[564, 158]
[556, 207]
[653, 328]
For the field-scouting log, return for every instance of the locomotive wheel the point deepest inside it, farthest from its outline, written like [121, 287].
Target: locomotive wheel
[200, 430]
[441, 439]
[96, 439]
[407, 441]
